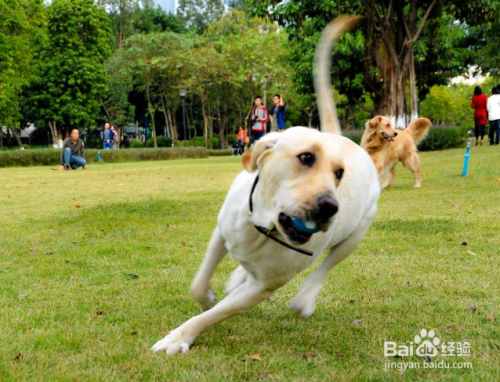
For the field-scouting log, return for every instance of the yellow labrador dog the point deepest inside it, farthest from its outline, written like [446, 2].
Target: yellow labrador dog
[307, 192]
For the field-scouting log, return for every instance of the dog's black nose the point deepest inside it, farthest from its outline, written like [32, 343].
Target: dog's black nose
[395, 134]
[327, 207]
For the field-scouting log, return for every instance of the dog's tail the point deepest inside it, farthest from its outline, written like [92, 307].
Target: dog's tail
[418, 129]
[322, 85]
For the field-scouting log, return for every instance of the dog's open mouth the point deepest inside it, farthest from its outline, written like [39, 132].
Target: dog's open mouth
[387, 138]
[298, 231]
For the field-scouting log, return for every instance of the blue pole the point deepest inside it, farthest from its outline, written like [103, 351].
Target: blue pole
[146, 129]
[466, 160]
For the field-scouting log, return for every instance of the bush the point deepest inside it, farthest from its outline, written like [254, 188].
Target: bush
[220, 153]
[94, 143]
[136, 144]
[231, 139]
[212, 144]
[51, 157]
[441, 138]
[161, 141]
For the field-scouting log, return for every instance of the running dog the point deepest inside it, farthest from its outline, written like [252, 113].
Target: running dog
[387, 146]
[306, 192]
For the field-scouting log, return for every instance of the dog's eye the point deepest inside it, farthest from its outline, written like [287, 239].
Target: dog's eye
[339, 173]
[307, 159]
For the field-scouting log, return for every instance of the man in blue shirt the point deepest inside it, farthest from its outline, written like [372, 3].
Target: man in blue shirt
[108, 137]
[277, 114]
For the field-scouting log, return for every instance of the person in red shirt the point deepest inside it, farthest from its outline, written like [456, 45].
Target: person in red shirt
[479, 101]
[260, 117]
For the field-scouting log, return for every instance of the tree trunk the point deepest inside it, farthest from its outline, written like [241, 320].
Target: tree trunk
[53, 133]
[205, 122]
[165, 116]
[210, 121]
[152, 114]
[221, 124]
[171, 133]
[309, 118]
[225, 120]
[18, 140]
[413, 89]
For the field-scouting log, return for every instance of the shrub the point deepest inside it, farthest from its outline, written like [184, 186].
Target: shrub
[212, 144]
[51, 157]
[231, 139]
[161, 142]
[94, 143]
[220, 153]
[136, 144]
[441, 138]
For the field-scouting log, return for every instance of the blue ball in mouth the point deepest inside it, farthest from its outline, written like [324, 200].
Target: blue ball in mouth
[306, 226]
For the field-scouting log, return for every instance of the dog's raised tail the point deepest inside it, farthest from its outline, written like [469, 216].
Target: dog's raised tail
[418, 129]
[322, 85]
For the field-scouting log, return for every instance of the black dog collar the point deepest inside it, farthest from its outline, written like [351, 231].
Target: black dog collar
[267, 232]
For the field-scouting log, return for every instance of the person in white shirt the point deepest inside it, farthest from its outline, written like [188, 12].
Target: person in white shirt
[493, 107]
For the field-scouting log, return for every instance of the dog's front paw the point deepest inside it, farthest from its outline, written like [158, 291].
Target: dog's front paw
[303, 306]
[206, 298]
[174, 343]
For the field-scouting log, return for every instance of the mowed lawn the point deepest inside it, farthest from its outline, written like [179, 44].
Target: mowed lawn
[95, 267]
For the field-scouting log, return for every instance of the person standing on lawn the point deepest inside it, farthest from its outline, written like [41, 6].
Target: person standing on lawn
[242, 136]
[73, 153]
[260, 116]
[108, 137]
[277, 114]
[493, 107]
[479, 102]
[114, 144]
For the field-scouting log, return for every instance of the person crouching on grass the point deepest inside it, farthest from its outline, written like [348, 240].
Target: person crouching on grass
[73, 153]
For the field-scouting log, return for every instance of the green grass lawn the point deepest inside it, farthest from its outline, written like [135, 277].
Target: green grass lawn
[95, 267]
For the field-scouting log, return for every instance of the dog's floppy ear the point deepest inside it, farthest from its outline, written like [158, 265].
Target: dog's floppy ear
[375, 121]
[263, 147]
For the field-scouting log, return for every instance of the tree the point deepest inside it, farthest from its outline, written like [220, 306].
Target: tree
[21, 28]
[123, 14]
[378, 58]
[70, 68]
[260, 48]
[157, 64]
[197, 14]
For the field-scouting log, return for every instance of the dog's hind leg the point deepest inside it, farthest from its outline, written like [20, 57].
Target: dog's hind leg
[304, 304]
[390, 176]
[244, 297]
[237, 278]
[412, 163]
[200, 287]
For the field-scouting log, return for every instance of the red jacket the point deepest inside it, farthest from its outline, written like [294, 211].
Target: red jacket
[480, 113]
[242, 134]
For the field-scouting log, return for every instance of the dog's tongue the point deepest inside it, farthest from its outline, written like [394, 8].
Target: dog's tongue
[306, 226]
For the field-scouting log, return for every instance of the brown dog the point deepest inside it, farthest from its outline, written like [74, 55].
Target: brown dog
[387, 146]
